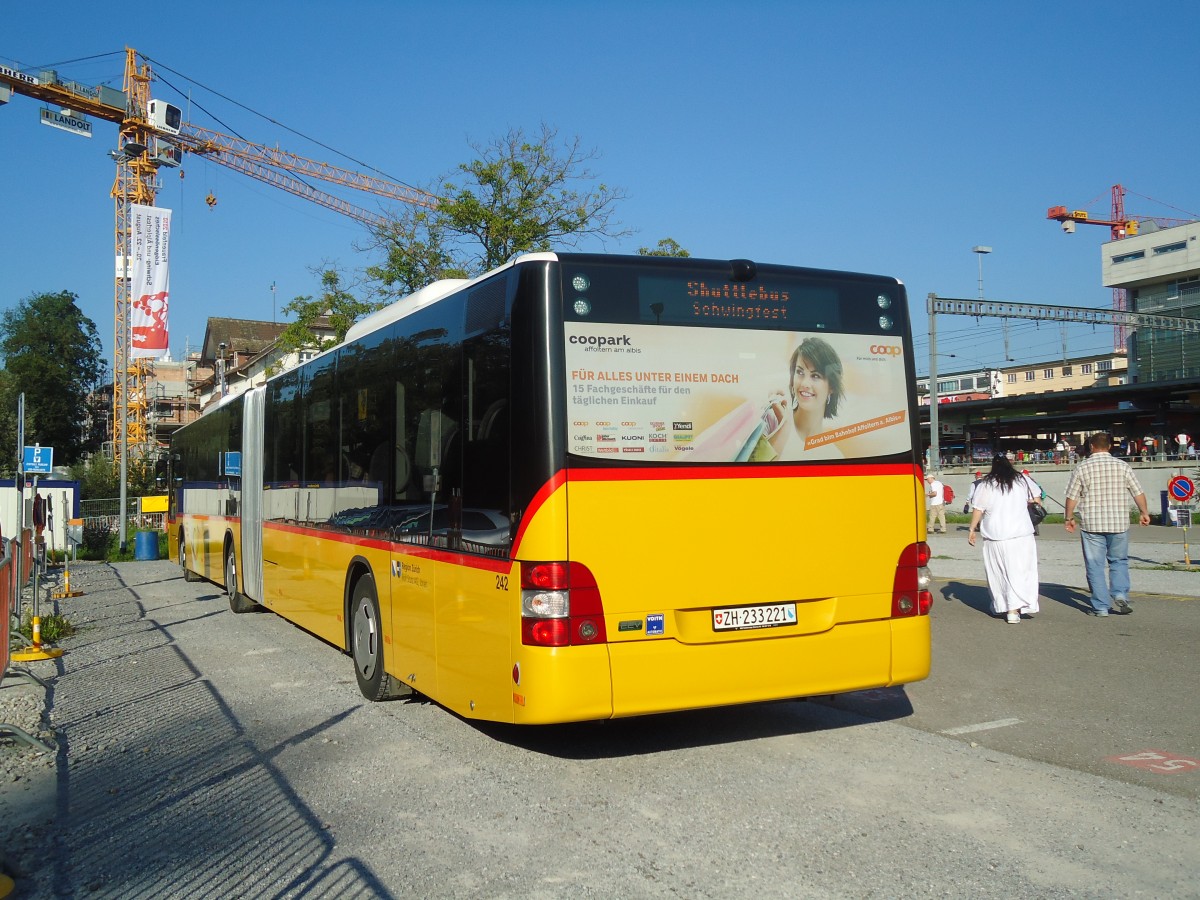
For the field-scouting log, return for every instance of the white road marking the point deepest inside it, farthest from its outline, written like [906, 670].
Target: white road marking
[982, 726]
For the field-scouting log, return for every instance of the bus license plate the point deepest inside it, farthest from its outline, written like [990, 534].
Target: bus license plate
[736, 618]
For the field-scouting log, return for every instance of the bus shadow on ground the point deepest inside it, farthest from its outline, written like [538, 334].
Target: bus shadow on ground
[643, 735]
[160, 791]
[976, 596]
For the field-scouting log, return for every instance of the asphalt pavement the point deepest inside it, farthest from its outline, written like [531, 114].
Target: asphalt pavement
[1114, 697]
[205, 754]
[1156, 558]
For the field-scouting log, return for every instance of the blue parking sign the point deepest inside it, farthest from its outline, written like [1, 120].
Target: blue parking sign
[38, 460]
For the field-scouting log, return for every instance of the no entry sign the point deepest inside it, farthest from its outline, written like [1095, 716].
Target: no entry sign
[1181, 488]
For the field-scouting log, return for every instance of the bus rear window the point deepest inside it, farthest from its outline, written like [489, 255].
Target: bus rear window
[708, 294]
[686, 364]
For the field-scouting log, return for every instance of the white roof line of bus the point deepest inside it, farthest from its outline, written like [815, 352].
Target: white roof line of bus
[431, 293]
[398, 310]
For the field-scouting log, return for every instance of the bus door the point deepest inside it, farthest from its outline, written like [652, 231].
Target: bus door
[251, 548]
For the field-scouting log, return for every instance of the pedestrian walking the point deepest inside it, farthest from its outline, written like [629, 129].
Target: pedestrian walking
[1000, 512]
[1099, 487]
[1039, 494]
[935, 493]
[971, 491]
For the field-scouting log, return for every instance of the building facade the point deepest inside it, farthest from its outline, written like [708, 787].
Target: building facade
[1159, 269]
[1044, 377]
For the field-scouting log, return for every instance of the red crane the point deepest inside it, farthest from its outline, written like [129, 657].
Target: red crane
[1120, 226]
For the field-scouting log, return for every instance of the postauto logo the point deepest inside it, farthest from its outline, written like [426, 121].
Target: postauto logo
[886, 350]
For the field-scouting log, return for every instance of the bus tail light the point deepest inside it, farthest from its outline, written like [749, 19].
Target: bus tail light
[560, 605]
[911, 595]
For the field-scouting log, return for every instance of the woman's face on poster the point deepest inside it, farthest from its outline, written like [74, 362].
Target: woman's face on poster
[810, 387]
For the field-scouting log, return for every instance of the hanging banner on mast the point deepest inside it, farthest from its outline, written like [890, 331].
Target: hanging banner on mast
[149, 289]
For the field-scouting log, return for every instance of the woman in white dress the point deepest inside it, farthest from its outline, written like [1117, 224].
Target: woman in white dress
[1000, 512]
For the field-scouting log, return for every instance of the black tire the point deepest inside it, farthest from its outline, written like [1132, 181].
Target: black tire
[188, 574]
[238, 602]
[366, 644]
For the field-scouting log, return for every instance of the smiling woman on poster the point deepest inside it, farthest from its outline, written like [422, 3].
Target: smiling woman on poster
[815, 391]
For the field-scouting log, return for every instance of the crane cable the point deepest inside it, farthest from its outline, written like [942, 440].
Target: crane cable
[267, 118]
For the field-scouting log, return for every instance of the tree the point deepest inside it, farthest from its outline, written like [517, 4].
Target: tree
[521, 195]
[8, 425]
[336, 305]
[666, 247]
[52, 354]
[99, 477]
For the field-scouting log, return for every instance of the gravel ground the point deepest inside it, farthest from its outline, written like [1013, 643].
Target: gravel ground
[202, 754]
[27, 773]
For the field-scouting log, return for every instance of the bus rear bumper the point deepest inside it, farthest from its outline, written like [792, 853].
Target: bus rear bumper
[665, 675]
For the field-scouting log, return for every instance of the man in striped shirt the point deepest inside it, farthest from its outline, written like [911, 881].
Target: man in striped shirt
[1101, 486]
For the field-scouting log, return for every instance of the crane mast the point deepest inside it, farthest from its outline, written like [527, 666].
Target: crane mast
[136, 183]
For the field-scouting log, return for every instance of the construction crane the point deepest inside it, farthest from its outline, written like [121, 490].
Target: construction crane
[151, 136]
[1120, 226]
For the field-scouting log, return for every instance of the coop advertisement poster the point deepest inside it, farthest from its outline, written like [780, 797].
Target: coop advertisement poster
[667, 393]
[149, 288]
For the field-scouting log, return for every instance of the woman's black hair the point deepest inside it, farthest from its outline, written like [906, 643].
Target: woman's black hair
[825, 360]
[1003, 474]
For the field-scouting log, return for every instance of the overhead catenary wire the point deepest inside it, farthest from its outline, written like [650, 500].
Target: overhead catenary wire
[159, 65]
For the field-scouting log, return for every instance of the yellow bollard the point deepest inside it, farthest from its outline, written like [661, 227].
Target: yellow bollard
[37, 651]
[66, 588]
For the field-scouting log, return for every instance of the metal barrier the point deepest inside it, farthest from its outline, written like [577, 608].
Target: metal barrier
[134, 522]
[7, 588]
[13, 578]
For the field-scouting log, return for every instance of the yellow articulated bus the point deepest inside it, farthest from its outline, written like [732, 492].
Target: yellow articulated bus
[584, 487]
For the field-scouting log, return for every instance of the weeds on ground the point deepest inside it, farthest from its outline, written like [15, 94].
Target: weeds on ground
[54, 627]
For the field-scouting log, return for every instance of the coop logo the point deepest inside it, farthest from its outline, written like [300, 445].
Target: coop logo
[886, 349]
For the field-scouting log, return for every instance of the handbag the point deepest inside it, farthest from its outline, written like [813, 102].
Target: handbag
[1037, 512]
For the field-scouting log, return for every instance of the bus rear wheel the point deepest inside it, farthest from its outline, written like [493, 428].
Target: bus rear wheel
[238, 602]
[366, 644]
[188, 574]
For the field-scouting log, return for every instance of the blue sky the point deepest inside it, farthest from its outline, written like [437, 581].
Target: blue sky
[884, 137]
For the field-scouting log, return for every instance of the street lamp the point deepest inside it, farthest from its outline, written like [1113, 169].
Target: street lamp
[981, 250]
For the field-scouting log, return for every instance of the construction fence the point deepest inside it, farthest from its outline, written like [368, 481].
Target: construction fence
[141, 513]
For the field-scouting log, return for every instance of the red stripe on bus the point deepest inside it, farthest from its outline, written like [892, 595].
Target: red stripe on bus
[742, 471]
[489, 564]
[539, 498]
